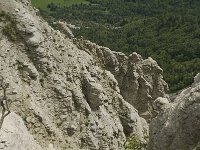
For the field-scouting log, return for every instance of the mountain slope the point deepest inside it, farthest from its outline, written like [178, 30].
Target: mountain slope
[177, 125]
[166, 30]
[72, 96]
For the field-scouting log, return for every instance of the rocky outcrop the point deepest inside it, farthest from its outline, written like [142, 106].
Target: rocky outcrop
[177, 126]
[73, 96]
[64, 28]
[140, 81]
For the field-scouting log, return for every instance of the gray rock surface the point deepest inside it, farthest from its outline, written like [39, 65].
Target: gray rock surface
[140, 81]
[177, 126]
[73, 96]
[65, 28]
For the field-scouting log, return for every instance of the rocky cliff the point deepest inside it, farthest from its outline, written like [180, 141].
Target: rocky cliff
[177, 126]
[73, 93]
[70, 93]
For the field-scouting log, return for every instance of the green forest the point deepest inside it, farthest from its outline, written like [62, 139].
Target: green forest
[166, 30]
[43, 4]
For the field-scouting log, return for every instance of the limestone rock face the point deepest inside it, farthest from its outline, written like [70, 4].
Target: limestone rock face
[64, 27]
[177, 126]
[73, 96]
[140, 81]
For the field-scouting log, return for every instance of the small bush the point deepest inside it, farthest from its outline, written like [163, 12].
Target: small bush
[10, 26]
[2, 14]
[133, 144]
[10, 31]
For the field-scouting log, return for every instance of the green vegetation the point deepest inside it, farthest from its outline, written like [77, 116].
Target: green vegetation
[43, 4]
[10, 31]
[133, 144]
[10, 26]
[166, 30]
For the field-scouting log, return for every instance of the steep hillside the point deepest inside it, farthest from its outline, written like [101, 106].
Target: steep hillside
[71, 93]
[177, 127]
[166, 30]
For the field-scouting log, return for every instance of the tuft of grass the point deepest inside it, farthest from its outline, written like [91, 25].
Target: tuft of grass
[132, 144]
[10, 26]
[4, 16]
[10, 31]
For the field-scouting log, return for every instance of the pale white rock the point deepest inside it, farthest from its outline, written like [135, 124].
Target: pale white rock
[160, 103]
[14, 135]
[140, 81]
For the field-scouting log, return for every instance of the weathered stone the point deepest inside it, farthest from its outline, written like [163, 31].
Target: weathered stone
[140, 81]
[160, 103]
[177, 126]
[64, 27]
[14, 135]
[77, 95]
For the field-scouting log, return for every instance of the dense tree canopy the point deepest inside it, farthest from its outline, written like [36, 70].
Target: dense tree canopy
[166, 30]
